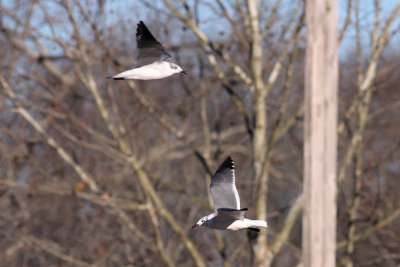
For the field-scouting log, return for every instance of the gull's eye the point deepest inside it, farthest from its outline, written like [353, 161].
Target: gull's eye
[173, 67]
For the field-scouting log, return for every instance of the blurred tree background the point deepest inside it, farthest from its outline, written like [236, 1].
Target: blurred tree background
[96, 172]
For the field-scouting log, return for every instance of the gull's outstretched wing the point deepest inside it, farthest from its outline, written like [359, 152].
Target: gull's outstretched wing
[224, 214]
[150, 50]
[223, 188]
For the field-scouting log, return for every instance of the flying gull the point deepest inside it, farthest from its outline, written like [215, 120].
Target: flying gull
[151, 63]
[227, 214]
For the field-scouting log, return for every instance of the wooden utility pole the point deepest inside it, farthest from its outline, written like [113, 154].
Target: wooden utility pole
[321, 82]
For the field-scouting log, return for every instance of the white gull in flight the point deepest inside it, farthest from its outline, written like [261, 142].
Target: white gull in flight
[227, 214]
[151, 62]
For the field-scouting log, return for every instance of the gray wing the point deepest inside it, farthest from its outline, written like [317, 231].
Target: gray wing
[224, 214]
[223, 188]
[150, 50]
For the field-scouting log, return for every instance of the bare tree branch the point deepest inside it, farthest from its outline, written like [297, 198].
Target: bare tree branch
[50, 247]
[50, 140]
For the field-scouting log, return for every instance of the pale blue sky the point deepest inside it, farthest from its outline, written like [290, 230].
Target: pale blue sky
[366, 15]
[133, 11]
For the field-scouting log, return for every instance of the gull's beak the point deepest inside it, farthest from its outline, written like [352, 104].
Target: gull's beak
[184, 72]
[195, 226]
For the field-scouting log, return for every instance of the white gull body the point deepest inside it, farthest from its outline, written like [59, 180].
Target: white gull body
[153, 71]
[227, 214]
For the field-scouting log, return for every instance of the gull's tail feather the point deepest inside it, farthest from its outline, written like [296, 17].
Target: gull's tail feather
[125, 75]
[114, 78]
[255, 223]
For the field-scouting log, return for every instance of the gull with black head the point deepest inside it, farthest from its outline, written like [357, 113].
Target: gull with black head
[227, 213]
[151, 62]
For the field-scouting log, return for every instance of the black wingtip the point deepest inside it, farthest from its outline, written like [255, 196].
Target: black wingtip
[254, 229]
[226, 164]
[143, 34]
[140, 28]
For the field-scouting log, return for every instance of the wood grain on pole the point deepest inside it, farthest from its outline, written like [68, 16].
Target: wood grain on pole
[321, 82]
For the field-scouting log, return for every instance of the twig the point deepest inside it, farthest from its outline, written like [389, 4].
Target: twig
[49, 247]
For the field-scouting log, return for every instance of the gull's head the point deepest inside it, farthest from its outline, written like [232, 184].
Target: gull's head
[201, 221]
[176, 68]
